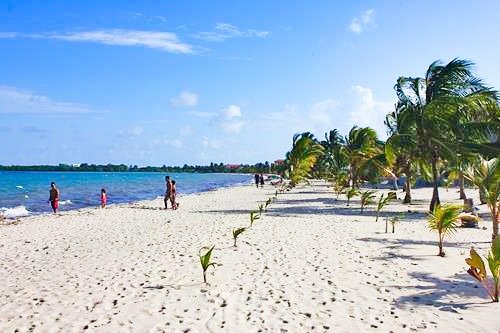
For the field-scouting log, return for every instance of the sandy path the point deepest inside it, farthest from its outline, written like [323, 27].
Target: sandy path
[310, 264]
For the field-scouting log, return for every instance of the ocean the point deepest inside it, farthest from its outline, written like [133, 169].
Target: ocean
[23, 192]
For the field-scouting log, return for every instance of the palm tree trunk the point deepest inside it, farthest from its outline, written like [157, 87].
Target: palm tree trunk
[461, 184]
[435, 191]
[440, 244]
[407, 198]
[482, 195]
[495, 214]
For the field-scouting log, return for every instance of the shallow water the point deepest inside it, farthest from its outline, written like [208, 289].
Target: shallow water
[27, 192]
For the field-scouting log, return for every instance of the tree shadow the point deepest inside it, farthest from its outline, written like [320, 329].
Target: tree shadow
[399, 242]
[435, 292]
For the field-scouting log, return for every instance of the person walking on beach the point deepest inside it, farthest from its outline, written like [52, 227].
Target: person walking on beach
[54, 197]
[173, 194]
[104, 198]
[168, 191]
[257, 178]
[261, 178]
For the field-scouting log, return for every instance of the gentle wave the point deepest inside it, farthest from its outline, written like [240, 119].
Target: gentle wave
[11, 213]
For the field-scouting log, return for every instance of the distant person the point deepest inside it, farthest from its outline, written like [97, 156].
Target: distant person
[104, 198]
[173, 195]
[54, 197]
[168, 191]
[261, 178]
[257, 179]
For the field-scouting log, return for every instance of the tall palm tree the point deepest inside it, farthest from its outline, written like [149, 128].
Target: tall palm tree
[303, 156]
[360, 146]
[431, 102]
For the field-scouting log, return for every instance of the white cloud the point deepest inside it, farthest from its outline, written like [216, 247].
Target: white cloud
[367, 111]
[186, 130]
[231, 119]
[223, 31]
[13, 100]
[232, 111]
[363, 22]
[160, 40]
[185, 99]
[210, 143]
[203, 114]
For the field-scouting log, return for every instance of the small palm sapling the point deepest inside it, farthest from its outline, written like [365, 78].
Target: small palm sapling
[444, 219]
[351, 193]
[205, 260]
[383, 201]
[261, 209]
[237, 232]
[477, 269]
[253, 216]
[366, 199]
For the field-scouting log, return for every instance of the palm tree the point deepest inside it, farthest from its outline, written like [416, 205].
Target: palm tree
[486, 176]
[431, 102]
[360, 146]
[351, 193]
[303, 156]
[444, 219]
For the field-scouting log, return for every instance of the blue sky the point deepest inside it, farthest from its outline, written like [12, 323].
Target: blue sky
[174, 82]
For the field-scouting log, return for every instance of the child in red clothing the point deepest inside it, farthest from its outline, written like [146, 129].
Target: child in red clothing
[104, 198]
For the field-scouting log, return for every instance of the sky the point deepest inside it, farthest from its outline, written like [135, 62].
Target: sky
[175, 82]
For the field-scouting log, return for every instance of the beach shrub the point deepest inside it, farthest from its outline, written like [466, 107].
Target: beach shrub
[478, 271]
[205, 260]
[253, 216]
[444, 219]
[237, 232]
[351, 193]
[383, 201]
[261, 208]
[366, 199]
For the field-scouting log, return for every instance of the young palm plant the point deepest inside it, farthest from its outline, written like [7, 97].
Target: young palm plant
[237, 232]
[261, 208]
[486, 176]
[478, 271]
[444, 219]
[268, 202]
[383, 201]
[253, 216]
[205, 260]
[366, 199]
[351, 193]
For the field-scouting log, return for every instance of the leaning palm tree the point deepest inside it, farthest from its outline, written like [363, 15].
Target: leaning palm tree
[444, 219]
[302, 158]
[486, 176]
[430, 103]
[360, 146]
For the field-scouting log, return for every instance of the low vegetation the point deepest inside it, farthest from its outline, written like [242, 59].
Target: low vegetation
[383, 201]
[478, 271]
[237, 232]
[205, 260]
[444, 219]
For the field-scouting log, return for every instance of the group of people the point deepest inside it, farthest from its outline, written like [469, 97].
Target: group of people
[170, 195]
[259, 180]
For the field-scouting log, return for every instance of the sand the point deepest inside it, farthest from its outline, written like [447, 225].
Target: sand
[310, 264]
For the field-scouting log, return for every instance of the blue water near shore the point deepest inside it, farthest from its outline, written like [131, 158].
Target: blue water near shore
[24, 193]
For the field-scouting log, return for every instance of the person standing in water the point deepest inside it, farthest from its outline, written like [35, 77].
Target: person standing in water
[168, 191]
[104, 198]
[54, 197]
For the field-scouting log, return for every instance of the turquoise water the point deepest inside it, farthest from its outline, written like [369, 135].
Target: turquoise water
[24, 193]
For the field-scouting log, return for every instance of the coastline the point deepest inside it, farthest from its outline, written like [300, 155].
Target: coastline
[309, 264]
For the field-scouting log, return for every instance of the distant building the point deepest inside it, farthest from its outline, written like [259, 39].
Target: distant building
[232, 166]
[279, 162]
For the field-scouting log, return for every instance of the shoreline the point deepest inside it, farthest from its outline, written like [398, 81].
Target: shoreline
[97, 205]
[310, 263]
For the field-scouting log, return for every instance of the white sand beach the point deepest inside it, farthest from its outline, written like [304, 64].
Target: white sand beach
[310, 264]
